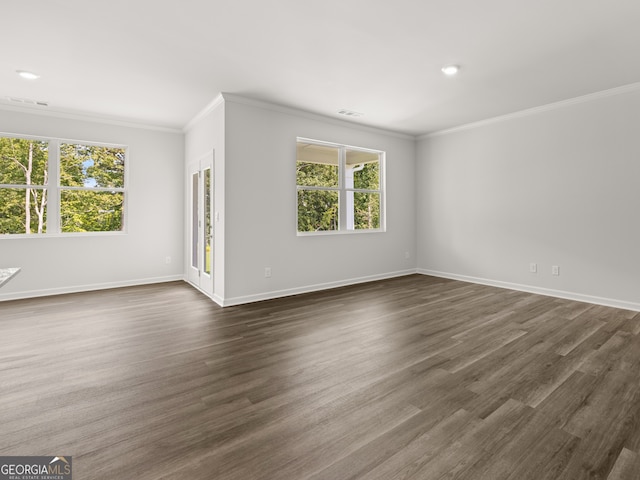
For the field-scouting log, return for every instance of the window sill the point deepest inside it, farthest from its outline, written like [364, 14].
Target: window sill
[339, 232]
[22, 236]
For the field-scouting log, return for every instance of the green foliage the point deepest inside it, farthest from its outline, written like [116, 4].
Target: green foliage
[91, 166]
[14, 161]
[316, 174]
[368, 178]
[317, 210]
[23, 162]
[90, 211]
[207, 215]
[12, 211]
[366, 206]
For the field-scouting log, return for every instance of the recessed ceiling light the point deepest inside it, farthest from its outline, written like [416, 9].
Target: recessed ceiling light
[450, 69]
[28, 75]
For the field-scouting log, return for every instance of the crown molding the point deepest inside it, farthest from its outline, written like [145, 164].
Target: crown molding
[230, 97]
[85, 117]
[210, 107]
[633, 87]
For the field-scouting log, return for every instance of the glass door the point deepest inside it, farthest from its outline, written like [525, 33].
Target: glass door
[201, 224]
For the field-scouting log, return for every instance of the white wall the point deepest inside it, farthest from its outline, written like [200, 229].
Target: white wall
[555, 187]
[154, 209]
[261, 207]
[205, 135]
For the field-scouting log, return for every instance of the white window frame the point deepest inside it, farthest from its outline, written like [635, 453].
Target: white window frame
[343, 190]
[55, 189]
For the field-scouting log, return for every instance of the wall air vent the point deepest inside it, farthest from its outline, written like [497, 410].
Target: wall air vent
[350, 113]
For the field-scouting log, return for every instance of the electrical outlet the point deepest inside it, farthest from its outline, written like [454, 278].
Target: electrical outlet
[267, 272]
[167, 260]
[533, 267]
[555, 270]
[407, 255]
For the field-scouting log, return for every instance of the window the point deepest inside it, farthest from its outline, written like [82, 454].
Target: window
[54, 186]
[339, 188]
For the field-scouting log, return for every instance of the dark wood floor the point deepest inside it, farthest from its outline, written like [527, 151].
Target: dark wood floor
[410, 378]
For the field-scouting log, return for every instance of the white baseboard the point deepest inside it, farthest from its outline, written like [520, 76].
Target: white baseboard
[607, 302]
[216, 298]
[87, 288]
[228, 302]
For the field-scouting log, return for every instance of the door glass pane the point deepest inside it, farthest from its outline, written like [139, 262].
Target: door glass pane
[194, 220]
[207, 221]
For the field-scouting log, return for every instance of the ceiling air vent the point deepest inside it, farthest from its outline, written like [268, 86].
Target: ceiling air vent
[350, 113]
[27, 101]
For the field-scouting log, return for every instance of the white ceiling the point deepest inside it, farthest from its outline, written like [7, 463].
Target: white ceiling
[160, 62]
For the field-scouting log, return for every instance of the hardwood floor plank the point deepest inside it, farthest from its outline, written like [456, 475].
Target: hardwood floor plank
[608, 354]
[409, 461]
[469, 352]
[610, 408]
[361, 462]
[626, 467]
[577, 335]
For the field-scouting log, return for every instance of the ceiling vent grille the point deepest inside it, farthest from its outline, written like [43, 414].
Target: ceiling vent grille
[27, 101]
[350, 113]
